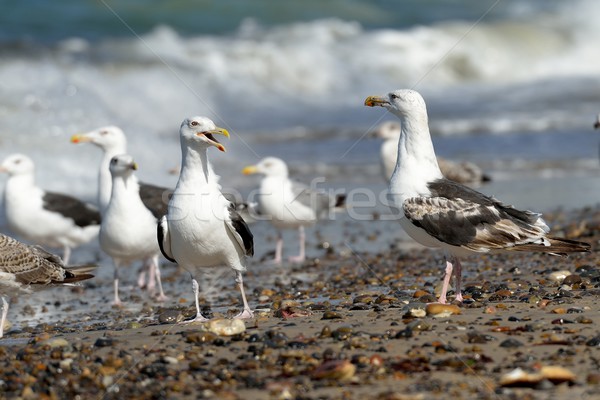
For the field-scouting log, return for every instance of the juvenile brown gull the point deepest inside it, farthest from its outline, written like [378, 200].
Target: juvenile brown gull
[437, 212]
[46, 218]
[24, 267]
[202, 230]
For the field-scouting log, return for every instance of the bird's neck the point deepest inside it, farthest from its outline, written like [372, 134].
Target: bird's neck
[196, 170]
[20, 182]
[104, 176]
[417, 164]
[124, 188]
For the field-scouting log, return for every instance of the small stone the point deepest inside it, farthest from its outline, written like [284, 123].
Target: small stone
[594, 342]
[56, 343]
[331, 315]
[593, 378]
[442, 310]
[226, 327]
[572, 280]
[417, 312]
[558, 276]
[511, 343]
[134, 325]
[104, 342]
[338, 370]
[170, 317]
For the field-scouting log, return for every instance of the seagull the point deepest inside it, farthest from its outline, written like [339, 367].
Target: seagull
[202, 230]
[128, 228]
[440, 213]
[464, 172]
[24, 267]
[113, 142]
[46, 218]
[288, 204]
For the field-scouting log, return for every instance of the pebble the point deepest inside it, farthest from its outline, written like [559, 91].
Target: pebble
[417, 312]
[521, 378]
[225, 327]
[332, 315]
[558, 276]
[170, 317]
[442, 310]
[104, 342]
[511, 343]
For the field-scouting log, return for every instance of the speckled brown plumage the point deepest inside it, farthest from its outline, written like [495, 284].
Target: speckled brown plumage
[32, 265]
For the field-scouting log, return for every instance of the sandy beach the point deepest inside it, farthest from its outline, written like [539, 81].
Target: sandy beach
[346, 325]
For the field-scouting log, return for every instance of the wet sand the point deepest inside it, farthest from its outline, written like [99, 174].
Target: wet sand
[348, 324]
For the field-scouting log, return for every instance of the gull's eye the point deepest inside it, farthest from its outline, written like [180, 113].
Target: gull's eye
[194, 123]
[394, 96]
[104, 133]
[18, 161]
[114, 161]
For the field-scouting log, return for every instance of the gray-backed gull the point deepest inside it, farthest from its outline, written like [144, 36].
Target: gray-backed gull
[202, 230]
[112, 141]
[24, 267]
[42, 217]
[128, 231]
[437, 212]
[464, 172]
[288, 204]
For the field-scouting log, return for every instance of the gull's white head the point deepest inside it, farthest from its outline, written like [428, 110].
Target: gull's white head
[402, 102]
[17, 164]
[388, 130]
[270, 166]
[122, 165]
[108, 138]
[200, 131]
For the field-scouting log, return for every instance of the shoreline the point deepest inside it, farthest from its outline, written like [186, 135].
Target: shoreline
[346, 325]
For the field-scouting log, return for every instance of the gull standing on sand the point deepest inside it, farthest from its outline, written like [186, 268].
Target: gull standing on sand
[24, 267]
[464, 172]
[112, 141]
[288, 204]
[202, 230]
[45, 218]
[437, 212]
[128, 230]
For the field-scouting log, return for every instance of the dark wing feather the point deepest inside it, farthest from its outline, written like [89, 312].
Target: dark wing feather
[83, 214]
[473, 226]
[241, 229]
[163, 238]
[155, 198]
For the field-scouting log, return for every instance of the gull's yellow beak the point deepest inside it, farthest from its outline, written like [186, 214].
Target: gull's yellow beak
[80, 138]
[373, 101]
[211, 139]
[249, 170]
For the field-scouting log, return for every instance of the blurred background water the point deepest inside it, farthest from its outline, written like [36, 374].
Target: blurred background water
[511, 85]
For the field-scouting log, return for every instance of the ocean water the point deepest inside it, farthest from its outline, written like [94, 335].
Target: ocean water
[511, 85]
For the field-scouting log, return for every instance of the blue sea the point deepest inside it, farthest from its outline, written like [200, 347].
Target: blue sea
[511, 85]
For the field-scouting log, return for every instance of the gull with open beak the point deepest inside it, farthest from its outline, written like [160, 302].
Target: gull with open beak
[202, 231]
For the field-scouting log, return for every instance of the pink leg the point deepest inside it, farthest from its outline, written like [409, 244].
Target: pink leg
[278, 249]
[199, 316]
[4, 314]
[302, 242]
[117, 302]
[149, 263]
[161, 294]
[247, 312]
[142, 278]
[458, 278]
[446, 282]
